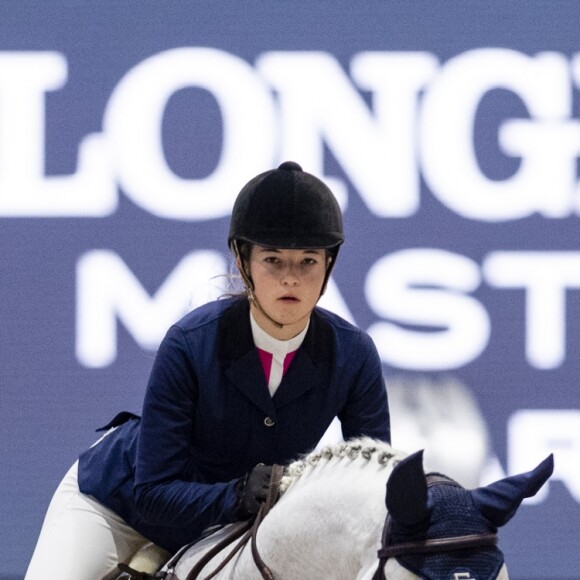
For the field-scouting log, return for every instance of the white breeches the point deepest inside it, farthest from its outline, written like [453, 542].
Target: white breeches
[82, 539]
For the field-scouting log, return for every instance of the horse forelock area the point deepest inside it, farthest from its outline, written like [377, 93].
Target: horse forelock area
[365, 451]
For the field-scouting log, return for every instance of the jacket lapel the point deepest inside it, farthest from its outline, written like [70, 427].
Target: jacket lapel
[247, 375]
[302, 376]
[242, 363]
[310, 368]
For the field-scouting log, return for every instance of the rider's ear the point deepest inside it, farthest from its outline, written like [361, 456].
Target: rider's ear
[407, 491]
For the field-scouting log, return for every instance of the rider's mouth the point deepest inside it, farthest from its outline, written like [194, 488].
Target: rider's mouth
[289, 299]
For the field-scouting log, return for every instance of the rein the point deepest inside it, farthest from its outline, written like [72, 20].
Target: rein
[432, 546]
[243, 532]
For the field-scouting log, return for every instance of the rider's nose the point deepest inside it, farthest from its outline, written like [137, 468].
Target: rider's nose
[289, 277]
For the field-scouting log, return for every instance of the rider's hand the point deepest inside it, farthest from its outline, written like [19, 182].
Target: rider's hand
[252, 490]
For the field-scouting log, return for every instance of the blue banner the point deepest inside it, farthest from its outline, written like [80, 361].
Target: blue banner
[449, 132]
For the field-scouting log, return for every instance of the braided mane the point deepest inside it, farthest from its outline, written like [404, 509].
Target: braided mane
[364, 448]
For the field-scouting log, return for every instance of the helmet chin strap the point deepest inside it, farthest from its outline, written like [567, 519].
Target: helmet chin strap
[250, 287]
[252, 298]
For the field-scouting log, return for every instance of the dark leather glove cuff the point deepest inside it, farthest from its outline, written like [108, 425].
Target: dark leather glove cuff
[252, 490]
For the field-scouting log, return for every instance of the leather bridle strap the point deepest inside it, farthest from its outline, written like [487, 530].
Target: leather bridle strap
[244, 532]
[432, 546]
[271, 499]
[438, 545]
[237, 531]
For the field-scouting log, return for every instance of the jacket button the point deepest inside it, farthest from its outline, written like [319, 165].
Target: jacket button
[268, 421]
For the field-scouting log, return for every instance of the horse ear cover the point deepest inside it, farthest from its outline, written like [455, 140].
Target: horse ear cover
[407, 491]
[499, 501]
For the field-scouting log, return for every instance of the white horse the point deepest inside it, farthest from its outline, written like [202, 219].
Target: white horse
[329, 521]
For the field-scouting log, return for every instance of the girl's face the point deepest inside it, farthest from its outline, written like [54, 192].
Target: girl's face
[287, 284]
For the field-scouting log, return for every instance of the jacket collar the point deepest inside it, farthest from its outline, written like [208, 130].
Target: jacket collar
[240, 357]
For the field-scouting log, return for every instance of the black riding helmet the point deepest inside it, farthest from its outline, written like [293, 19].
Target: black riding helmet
[286, 208]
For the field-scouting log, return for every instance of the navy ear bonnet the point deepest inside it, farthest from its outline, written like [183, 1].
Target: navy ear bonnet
[452, 513]
[445, 510]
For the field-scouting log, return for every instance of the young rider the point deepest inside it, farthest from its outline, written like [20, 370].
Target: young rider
[237, 384]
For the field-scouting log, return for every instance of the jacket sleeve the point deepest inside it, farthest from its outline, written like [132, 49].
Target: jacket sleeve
[164, 494]
[366, 412]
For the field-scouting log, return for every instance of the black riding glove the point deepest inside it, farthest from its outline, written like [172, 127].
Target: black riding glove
[252, 490]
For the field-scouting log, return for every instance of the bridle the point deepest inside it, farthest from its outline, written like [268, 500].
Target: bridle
[246, 531]
[428, 546]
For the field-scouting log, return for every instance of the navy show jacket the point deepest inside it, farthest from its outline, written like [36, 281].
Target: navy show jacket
[208, 418]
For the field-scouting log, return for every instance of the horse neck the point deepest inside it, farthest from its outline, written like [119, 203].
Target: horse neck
[329, 517]
[331, 513]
